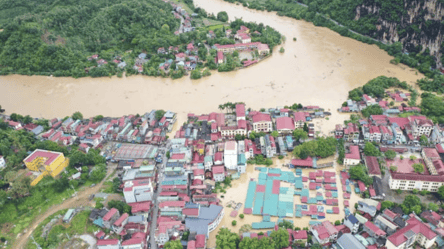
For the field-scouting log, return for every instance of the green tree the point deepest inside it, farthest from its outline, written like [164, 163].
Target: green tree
[196, 74]
[123, 207]
[286, 224]
[387, 204]
[434, 207]
[412, 157]
[390, 154]
[423, 140]
[116, 184]
[222, 16]
[275, 134]
[241, 216]
[419, 168]
[77, 115]
[372, 110]
[371, 150]
[173, 244]
[233, 223]
[305, 128]
[225, 239]
[98, 118]
[441, 192]
[159, 114]
[337, 223]
[299, 134]
[280, 238]
[168, 155]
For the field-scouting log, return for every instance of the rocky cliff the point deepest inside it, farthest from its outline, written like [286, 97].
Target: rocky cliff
[417, 24]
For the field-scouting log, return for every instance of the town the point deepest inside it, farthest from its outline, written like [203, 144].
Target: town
[177, 189]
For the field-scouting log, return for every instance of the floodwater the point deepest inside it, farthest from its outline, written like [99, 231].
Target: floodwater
[238, 193]
[318, 69]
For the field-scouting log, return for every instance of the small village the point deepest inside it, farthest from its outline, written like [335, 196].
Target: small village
[178, 187]
[180, 60]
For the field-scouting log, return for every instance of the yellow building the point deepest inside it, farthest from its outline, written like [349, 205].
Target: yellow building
[46, 162]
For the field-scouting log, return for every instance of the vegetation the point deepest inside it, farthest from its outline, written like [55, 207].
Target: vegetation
[122, 206]
[419, 168]
[241, 216]
[359, 172]
[299, 134]
[233, 223]
[390, 154]
[282, 50]
[321, 147]
[363, 29]
[371, 150]
[341, 151]
[222, 16]
[173, 244]
[376, 87]
[435, 84]
[260, 160]
[433, 107]
[372, 110]
[412, 203]
[226, 239]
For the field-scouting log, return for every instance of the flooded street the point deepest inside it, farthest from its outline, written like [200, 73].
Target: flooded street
[318, 69]
[238, 193]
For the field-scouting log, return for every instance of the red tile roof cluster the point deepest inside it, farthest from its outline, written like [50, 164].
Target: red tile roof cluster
[415, 226]
[307, 162]
[140, 206]
[49, 155]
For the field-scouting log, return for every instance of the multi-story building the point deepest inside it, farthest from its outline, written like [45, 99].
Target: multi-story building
[285, 125]
[138, 191]
[218, 173]
[352, 158]
[420, 126]
[262, 123]
[415, 181]
[108, 244]
[240, 112]
[110, 217]
[351, 133]
[386, 225]
[230, 155]
[46, 162]
[374, 134]
[352, 223]
[299, 119]
[414, 231]
[206, 221]
[373, 230]
[433, 161]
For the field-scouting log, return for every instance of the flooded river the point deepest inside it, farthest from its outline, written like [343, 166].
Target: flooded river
[318, 69]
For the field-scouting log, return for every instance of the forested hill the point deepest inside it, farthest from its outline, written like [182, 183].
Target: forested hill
[58, 35]
[418, 25]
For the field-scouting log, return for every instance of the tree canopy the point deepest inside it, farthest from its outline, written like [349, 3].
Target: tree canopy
[371, 150]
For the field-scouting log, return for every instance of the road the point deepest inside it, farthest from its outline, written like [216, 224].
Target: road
[80, 200]
[160, 171]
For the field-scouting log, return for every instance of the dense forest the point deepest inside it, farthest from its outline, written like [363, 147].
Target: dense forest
[56, 37]
[412, 38]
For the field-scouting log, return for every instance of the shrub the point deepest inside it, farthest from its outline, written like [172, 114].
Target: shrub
[241, 216]
[234, 223]
[294, 38]
[281, 50]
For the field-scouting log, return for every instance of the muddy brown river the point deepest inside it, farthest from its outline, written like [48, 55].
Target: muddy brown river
[318, 69]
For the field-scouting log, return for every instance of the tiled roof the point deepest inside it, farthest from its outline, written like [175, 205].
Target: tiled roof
[284, 123]
[372, 165]
[110, 214]
[107, 242]
[416, 227]
[121, 219]
[240, 110]
[354, 153]
[374, 228]
[261, 117]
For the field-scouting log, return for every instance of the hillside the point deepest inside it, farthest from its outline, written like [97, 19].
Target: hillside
[410, 30]
[43, 37]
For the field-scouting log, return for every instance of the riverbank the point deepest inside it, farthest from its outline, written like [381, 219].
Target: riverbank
[319, 68]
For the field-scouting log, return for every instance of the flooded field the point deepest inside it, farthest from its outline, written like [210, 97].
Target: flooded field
[318, 69]
[238, 193]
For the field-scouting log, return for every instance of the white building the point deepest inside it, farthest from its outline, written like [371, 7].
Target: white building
[108, 244]
[352, 158]
[421, 126]
[138, 191]
[262, 122]
[415, 181]
[230, 155]
[414, 231]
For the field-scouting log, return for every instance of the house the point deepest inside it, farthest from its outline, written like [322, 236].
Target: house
[285, 125]
[420, 125]
[299, 119]
[219, 57]
[110, 218]
[366, 208]
[300, 237]
[120, 223]
[138, 240]
[373, 230]
[352, 223]
[230, 155]
[262, 123]
[385, 224]
[208, 219]
[263, 49]
[353, 157]
[348, 241]
[218, 173]
[240, 112]
[108, 244]
[433, 218]
[137, 190]
[68, 215]
[324, 232]
[433, 161]
[140, 208]
[372, 166]
[244, 38]
[414, 231]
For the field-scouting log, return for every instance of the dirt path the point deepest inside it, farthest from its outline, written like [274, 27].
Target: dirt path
[80, 200]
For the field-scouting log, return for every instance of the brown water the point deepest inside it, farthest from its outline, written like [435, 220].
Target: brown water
[319, 69]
